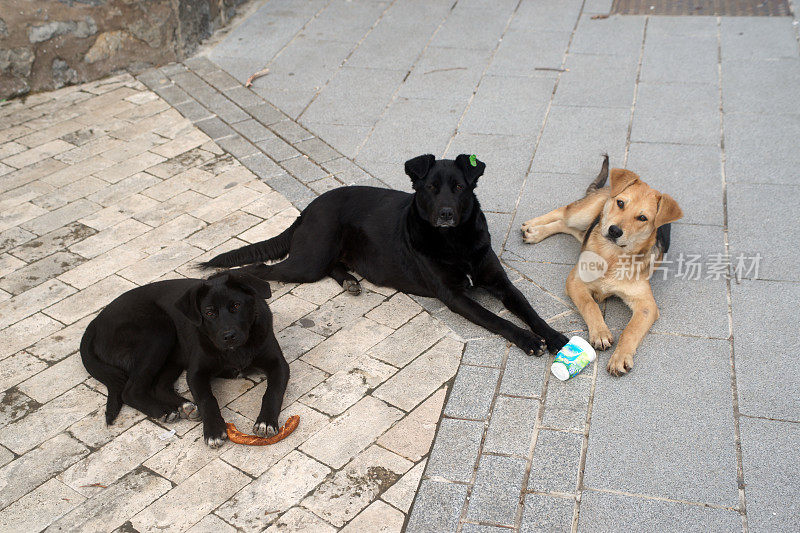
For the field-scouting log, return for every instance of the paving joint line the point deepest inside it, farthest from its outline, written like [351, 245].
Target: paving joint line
[588, 420]
[756, 417]
[490, 524]
[726, 241]
[635, 94]
[565, 303]
[576, 512]
[661, 498]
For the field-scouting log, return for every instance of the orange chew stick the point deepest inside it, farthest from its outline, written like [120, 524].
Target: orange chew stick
[251, 440]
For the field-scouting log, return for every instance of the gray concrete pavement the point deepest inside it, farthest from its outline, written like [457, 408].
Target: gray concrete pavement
[704, 108]
[700, 436]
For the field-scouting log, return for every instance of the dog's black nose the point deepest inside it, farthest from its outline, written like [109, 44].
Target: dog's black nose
[229, 336]
[614, 232]
[446, 214]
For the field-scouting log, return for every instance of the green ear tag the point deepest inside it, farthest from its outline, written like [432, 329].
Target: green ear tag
[473, 160]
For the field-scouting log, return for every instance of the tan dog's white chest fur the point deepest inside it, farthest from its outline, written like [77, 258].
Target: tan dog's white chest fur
[619, 224]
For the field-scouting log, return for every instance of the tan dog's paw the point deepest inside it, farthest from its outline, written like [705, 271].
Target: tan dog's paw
[532, 234]
[601, 338]
[527, 224]
[619, 363]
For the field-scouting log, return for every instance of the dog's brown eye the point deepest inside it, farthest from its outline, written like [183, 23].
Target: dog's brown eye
[431, 187]
[620, 204]
[235, 306]
[459, 187]
[210, 313]
[642, 218]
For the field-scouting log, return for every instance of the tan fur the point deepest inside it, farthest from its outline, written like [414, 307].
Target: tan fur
[636, 246]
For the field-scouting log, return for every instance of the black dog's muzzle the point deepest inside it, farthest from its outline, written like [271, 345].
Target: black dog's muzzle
[446, 218]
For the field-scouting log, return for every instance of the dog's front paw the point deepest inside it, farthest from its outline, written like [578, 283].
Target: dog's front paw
[215, 433]
[601, 338]
[172, 416]
[352, 286]
[532, 234]
[189, 411]
[531, 344]
[620, 363]
[556, 341]
[262, 429]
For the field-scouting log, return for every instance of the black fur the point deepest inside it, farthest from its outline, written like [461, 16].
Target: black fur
[591, 227]
[434, 242]
[662, 237]
[141, 342]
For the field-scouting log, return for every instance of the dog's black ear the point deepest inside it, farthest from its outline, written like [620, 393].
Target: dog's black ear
[250, 283]
[471, 166]
[419, 167]
[189, 305]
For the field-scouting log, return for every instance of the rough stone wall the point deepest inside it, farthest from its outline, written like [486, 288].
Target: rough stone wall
[46, 44]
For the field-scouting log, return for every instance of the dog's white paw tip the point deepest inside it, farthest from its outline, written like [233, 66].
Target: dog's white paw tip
[215, 442]
[262, 429]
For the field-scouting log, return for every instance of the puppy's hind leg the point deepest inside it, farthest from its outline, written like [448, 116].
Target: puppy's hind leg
[164, 390]
[138, 394]
[140, 389]
[344, 278]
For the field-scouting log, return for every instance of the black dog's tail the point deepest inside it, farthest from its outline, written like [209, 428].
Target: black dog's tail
[601, 178]
[269, 250]
[112, 377]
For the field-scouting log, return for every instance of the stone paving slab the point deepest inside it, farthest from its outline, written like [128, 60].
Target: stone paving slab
[175, 196]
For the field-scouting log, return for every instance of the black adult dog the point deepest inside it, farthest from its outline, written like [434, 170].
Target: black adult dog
[141, 342]
[434, 242]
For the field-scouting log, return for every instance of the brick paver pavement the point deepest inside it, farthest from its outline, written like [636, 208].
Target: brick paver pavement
[107, 187]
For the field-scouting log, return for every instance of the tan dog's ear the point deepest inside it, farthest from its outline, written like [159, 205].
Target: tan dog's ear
[621, 179]
[668, 210]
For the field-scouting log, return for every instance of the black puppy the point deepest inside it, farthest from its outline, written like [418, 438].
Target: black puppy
[141, 342]
[434, 242]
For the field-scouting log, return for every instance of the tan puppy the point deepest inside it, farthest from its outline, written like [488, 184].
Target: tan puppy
[624, 229]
